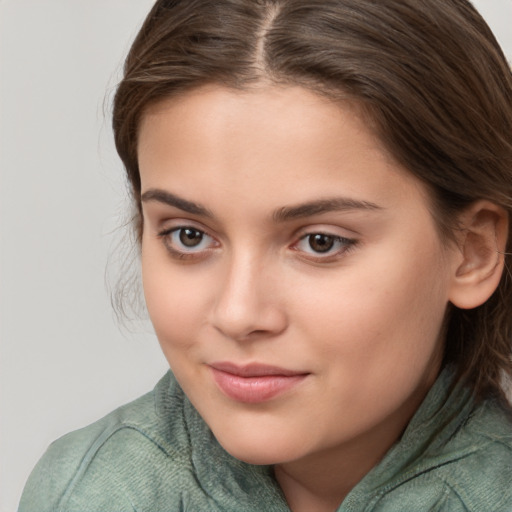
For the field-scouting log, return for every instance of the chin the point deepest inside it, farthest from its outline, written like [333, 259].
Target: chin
[261, 451]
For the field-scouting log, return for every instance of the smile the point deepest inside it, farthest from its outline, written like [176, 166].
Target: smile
[254, 383]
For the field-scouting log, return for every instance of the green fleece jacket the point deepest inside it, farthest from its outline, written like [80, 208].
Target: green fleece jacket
[157, 455]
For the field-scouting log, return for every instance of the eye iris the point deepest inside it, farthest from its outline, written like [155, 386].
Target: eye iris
[321, 243]
[190, 237]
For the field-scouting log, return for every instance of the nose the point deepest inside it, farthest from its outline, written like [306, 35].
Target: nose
[247, 304]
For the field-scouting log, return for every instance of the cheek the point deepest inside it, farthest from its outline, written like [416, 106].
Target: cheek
[174, 299]
[386, 309]
[376, 335]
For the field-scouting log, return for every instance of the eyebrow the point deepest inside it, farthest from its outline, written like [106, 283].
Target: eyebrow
[286, 213]
[322, 206]
[162, 196]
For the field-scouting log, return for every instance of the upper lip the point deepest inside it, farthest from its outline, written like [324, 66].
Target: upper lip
[254, 369]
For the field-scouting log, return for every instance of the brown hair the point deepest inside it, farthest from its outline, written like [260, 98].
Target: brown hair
[429, 75]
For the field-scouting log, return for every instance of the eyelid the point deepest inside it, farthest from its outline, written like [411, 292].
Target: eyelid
[328, 229]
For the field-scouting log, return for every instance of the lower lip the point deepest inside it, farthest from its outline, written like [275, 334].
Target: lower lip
[253, 390]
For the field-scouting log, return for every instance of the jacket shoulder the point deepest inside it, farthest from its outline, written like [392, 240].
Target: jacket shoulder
[90, 469]
[483, 478]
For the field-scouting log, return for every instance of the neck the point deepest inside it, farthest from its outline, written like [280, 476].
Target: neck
[321, 482]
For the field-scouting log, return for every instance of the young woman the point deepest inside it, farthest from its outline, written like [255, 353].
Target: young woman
[323, 191]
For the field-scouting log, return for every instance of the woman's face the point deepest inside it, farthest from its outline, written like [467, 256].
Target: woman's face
[292, 271]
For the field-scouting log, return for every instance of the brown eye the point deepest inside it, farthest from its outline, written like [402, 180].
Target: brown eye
[324, 247]
[190, 237]
[187, 241]
[320, 242]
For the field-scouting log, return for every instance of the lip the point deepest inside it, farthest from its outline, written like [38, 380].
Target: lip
[254, 383]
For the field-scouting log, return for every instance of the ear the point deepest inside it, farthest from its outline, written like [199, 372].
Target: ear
[479, 264]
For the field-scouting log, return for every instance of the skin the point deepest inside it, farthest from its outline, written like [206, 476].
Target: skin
[362, 321]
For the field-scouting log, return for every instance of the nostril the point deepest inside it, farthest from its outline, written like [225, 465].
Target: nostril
[257, 333]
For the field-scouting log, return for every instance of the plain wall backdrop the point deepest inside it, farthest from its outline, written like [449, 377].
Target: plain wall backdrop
[64, 362]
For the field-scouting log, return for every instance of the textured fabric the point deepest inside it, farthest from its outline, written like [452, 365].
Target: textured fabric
[157, 455]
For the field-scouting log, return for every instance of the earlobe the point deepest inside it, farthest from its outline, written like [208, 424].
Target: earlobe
[482, 243]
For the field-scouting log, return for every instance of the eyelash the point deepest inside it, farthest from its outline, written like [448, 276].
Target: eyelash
[345, 245]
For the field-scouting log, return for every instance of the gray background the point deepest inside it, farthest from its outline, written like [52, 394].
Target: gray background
[64, 362]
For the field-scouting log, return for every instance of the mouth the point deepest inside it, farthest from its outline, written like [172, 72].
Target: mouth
[254, 383]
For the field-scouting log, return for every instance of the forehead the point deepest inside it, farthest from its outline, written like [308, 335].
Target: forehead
[279, 144]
